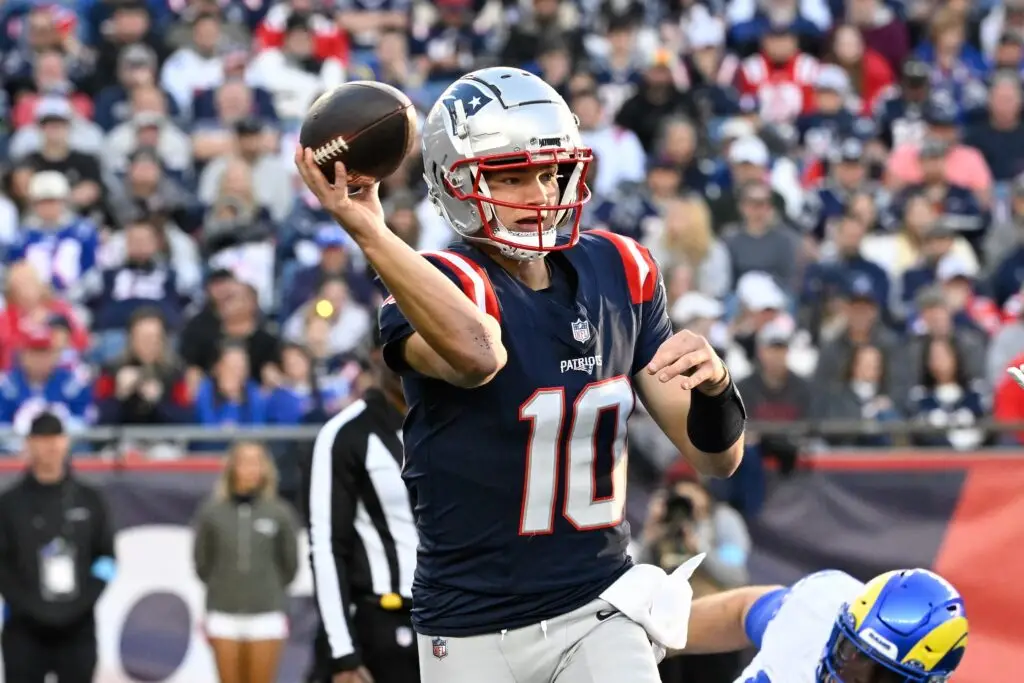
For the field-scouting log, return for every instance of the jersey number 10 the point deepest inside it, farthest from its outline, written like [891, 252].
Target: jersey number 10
[546, 412]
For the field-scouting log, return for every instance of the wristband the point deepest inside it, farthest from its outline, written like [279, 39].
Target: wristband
[715, 423]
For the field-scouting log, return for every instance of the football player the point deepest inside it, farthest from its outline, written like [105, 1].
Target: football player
[520, 348]
[905, 626]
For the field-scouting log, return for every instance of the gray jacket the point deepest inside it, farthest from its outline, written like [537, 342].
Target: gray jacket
[246, 554]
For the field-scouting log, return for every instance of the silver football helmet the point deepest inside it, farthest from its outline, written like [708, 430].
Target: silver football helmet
[503, 119]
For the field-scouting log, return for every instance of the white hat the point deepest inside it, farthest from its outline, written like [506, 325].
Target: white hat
[53, 107]
[832, 77]
[705, 31]
[48, 185]
[749, 150]
[953, 266]
[694, 305]
[777, 332]
[758, 291]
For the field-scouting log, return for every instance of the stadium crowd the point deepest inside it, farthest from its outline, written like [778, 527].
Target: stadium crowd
[835, 191]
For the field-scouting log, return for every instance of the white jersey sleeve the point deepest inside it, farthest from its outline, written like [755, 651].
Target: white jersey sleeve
[796, 636]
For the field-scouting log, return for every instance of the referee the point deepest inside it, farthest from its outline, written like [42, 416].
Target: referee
[363, 539]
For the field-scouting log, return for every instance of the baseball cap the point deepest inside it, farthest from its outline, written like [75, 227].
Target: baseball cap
[916, 70]
[693, 306]
[952, 267]
[777, 332]
[939, 112]
[137, 55]
[851, 149]
[758, 291]
[46, 424]
[48, 185]
[832, 77]
[53, 108]
[705, 31]
[749, 150]
[860, 288]
[331, 236]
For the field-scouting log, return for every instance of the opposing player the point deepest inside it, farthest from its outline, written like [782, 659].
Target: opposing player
[905, 626]
[520, 349]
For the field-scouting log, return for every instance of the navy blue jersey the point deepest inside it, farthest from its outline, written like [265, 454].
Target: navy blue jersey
[519, 486]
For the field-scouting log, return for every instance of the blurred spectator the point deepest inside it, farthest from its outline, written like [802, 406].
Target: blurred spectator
[348, 322]
[54, 239]
[136, 68]
[30, 305]
[963, 166]
[761, 242]
[246, 554]
[774, 393]
[148, 125]
[537, 23]
[145, 385]
[199, 65]
[293, 73]
[83, 135]
[227, 397]
[869, 73]
[56, 154]
[779, 79]
[147, 189]
[145, 280]
[38, 383]
[748, 162]
[335, 261]
[947, 397]
[299, 397]
[231, 316]
[862, 394]
[238, 232]
[657, 97]
[271, 182]
[687, 239]
[1000, 138]
[608, 141]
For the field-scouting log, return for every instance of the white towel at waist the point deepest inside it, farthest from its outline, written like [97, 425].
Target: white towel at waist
[658, 601]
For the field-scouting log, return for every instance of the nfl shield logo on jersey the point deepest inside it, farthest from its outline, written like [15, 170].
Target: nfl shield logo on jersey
[581, 330]
[440, 647]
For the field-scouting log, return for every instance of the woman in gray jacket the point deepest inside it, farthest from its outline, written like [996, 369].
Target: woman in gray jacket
[246, 554]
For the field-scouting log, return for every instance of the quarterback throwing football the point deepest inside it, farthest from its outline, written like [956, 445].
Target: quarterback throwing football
[522, 349]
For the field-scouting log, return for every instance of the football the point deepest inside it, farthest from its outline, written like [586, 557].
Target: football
[368, 126]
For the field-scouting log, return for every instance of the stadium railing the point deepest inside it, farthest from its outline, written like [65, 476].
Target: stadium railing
[796, 429]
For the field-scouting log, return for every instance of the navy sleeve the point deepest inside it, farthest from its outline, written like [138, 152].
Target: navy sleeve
[395, 328]
[655, 327]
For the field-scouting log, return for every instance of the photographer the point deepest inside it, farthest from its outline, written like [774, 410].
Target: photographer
[685, 520]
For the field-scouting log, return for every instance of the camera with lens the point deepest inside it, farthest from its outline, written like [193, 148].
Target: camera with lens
[678, 508]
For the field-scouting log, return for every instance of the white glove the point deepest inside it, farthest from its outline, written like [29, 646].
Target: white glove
[1017, 374]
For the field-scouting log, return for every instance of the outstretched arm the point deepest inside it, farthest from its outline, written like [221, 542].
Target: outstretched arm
[732, 620]
[453, 339]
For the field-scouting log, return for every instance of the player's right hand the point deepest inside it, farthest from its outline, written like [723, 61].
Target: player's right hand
[360, 675]
[355, 207]
[1017, 373]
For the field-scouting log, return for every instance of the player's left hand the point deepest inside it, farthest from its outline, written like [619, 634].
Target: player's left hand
[690, 356]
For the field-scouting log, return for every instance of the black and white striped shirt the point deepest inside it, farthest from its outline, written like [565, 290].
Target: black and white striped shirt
[361, 531]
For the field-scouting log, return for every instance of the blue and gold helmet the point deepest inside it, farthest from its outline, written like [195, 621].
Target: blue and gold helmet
[906, 626]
